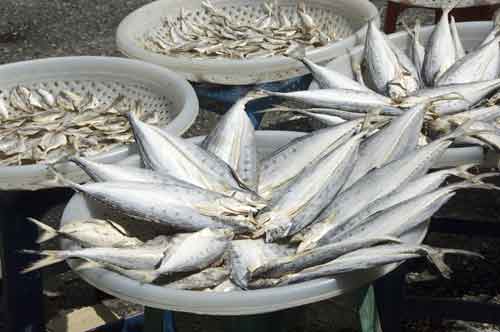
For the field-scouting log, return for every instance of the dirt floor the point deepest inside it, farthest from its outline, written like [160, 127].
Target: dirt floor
[47, 28]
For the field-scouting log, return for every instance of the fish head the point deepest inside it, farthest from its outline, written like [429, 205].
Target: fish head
[250, 198]
[397, 90]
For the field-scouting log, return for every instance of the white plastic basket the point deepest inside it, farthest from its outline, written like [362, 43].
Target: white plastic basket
[348, 18]
[160, 90]
[217, 303]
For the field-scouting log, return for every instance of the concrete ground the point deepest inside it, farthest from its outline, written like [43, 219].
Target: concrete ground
[32, 29]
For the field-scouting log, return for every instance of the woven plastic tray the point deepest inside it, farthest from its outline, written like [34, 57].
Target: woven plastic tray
[471, 34]
[160, 90]
[216, 303]
[347, 17]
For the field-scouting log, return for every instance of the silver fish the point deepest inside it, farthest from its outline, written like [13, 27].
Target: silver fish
[375, 185]
[349, 100]
[100, 172]
[89, 233]
[181, 207]
[294, 263]
[479, 65]
[439, 51]
[286, 163]
[420, 186]
[385, 71]
[208, 278]
[468, 95]
[162, 151]
[233, 141]
[410, 214]
[367, 258]
[310, 193]
[327, 78]
[392, 142]
[196, 252]
[139, 258]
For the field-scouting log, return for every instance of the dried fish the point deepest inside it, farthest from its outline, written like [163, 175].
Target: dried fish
[51, 126]
[220, 35]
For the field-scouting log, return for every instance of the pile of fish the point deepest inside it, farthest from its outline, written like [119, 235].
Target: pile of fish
[340, 199]
[456, 86]
[224, 36]
[38, 126]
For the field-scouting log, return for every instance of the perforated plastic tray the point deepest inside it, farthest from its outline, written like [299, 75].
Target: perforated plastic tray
[160, 89]
[347, 17]
[216, 303]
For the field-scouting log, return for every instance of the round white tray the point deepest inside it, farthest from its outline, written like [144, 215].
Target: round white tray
[215, 303]
[347, 17]
[160, 89]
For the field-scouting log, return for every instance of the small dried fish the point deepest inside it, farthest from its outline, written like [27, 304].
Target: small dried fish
[52, 126]
[89, 233]
[220, 35]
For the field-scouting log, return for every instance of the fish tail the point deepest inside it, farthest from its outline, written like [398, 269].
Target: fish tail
[45, 231]
[462, 171]
[53, 257]
[436, 257]
[476, 181]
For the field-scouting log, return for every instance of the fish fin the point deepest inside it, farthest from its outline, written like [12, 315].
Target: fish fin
[51, 259]
[45, 231]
